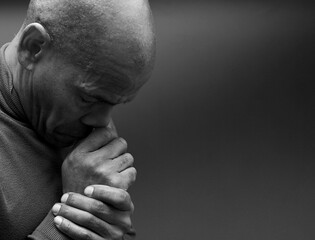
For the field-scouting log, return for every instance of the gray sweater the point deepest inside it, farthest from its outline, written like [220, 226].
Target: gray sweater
[30, 181]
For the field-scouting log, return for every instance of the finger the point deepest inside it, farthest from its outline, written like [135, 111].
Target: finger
[116, 197]
[75, 231]
[114, 148]
[131, 234]
[99, 209]
[117, 165]
[97, 139]
[126, 178]
[112, 125]
[87, 221]
[123, 162]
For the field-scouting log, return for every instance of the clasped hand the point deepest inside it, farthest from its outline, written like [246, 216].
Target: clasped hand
[96, 176]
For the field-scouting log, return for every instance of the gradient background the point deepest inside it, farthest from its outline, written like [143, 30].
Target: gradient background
[223, 134]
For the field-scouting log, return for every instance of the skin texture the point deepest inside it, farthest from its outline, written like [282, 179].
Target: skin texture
[101, 158]
[79, 207]
[69, 75]
[57, 94]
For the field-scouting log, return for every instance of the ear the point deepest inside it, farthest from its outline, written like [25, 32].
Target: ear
[33, 42]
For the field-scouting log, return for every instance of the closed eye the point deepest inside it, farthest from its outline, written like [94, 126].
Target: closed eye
[89, 100]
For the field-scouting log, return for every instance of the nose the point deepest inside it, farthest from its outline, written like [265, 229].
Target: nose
[99, 116]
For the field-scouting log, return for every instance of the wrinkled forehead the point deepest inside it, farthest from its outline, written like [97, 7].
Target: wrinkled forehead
[120, 60]
[118, 66]
[115, 85]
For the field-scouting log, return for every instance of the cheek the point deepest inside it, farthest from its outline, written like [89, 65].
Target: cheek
[68, 111]
[65, 103]
[62, 112]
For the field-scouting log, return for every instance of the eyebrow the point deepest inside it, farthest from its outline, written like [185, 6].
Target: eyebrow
[111, 84]
[120, 100]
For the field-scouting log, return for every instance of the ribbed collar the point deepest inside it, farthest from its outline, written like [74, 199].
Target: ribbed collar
[10, 101]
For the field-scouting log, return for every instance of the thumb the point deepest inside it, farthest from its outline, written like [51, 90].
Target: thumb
[98, 138]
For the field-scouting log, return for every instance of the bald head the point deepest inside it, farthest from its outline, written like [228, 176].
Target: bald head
[93, 33]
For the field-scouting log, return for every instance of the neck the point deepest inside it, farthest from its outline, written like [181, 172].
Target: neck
[19, 74]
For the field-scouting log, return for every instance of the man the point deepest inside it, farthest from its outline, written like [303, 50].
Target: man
[69, 65]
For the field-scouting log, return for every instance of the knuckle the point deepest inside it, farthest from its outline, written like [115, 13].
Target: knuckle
[76, 155]
[123, 196]
[90, 219]
[92, 163]
[101, 173]
[115, 181]
[128, 158]
[65, 210]
[123, 142]
[127, 223]
[133, 174]
[99, 208]
[85, 235]
[128, 180]
[66, 226]
[117, 234]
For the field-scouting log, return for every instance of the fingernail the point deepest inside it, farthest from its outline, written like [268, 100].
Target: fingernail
[89, 191]
[56, 209]
[64, 198]
[58, 220]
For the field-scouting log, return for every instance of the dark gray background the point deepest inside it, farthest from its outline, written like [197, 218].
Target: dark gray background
[223, 134]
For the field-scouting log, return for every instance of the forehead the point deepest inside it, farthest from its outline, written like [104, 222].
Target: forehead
[118, 73]
[117, 68]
